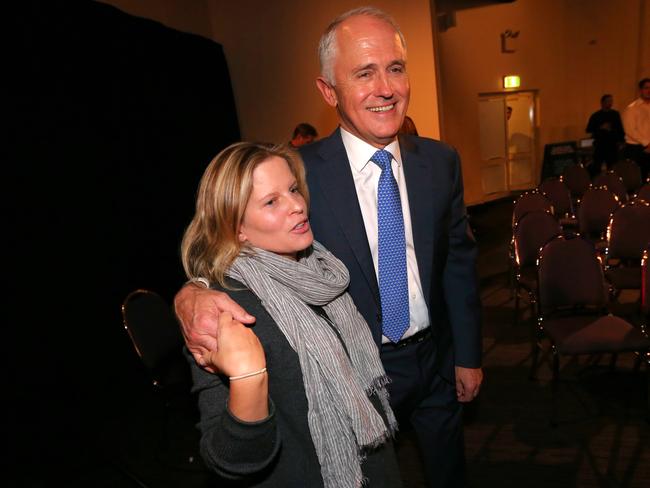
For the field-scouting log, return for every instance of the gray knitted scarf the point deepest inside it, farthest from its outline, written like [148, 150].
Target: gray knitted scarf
[342, 420]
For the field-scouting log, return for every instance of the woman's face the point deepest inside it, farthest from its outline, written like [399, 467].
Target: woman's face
[275, 218]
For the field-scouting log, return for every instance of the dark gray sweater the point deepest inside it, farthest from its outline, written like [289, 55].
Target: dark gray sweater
[277, 451]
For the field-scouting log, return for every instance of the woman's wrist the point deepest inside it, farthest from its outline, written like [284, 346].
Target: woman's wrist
[248, 375]
[248, 398]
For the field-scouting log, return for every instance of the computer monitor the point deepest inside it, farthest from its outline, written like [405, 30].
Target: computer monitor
[586, 143]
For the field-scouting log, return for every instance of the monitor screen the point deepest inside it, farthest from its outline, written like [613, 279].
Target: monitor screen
[585, 143]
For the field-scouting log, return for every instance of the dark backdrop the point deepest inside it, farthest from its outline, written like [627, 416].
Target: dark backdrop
[112, 119]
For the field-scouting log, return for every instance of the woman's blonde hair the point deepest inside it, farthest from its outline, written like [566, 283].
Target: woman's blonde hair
[211, 241]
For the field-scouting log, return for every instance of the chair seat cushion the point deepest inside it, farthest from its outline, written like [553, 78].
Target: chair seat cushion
[624, 278]
[588, 334]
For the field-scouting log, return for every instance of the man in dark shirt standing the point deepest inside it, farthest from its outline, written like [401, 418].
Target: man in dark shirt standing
[606, 128]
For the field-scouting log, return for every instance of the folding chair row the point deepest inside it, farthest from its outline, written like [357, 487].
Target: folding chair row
[619, 233]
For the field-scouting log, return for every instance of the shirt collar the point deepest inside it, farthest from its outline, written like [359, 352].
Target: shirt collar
[359, 151]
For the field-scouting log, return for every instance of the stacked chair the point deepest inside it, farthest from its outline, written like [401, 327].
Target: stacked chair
[530, 201]
[614, 183]
[156, 337]
[594, 213]
[529, 235]
[630, 174]
[558, 193]
[643, 193]
[577, 179]
[572, 310]
[628, 235]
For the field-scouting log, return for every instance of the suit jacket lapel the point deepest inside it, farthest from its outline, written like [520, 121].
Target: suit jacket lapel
[418, 175]
[336, 181]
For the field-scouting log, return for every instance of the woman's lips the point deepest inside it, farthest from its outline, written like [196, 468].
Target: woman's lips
[301, 228]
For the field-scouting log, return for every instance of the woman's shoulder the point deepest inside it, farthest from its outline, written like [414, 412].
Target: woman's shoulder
[241, 294]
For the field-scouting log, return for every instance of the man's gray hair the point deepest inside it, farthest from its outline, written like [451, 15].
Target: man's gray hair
[327, 46]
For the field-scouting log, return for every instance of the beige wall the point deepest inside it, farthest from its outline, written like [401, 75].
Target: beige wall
[271, 52]
[572, 51]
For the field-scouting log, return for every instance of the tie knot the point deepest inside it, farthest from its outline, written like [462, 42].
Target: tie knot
[382, 158]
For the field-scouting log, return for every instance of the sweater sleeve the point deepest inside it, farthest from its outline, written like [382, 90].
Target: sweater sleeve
[231, 447]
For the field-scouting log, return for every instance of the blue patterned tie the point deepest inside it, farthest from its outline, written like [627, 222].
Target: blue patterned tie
[393, 279]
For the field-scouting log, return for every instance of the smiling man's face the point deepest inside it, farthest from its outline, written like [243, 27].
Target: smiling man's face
[371, 90]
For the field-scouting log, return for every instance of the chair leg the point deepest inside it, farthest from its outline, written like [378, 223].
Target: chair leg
[533, 305]
[555, 385]
[516, 313]
[536, 342]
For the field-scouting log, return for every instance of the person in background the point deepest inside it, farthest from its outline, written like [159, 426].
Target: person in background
[300, 399]
[636, 121]
[391, 208]
[606, 128]
[304, 133]
[408, 126]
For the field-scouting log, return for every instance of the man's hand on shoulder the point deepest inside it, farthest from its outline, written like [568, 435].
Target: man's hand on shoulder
[198, 309]
[468, 383]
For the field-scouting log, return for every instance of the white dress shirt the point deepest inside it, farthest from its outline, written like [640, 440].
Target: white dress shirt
[366, 180]
[636, 122]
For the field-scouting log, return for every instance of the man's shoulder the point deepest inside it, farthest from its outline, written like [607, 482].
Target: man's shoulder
[319, 149]
[634, 103]
[426, 145]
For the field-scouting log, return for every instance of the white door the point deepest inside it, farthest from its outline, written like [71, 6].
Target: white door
[521, 140]
[493, 134]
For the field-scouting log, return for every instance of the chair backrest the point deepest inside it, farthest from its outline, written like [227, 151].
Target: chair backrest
[595, 211]
[643, 193]
[530, 201]
[558, 193]
[530, 234]
[628, 232]
[630, 173]
[577, 179]
[156, 336]
[613, 182]
[570, 275]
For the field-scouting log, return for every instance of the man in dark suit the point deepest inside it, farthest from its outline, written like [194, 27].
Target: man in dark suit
[434, 359]
[606, 128]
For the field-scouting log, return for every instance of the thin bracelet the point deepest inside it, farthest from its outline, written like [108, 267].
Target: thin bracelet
[247, 375]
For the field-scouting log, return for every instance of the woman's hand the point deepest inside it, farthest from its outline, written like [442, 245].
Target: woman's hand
[240, 351]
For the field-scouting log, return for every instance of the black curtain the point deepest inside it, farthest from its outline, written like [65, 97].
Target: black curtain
[112, 120]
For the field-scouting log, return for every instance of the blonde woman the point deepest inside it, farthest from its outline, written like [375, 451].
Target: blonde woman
[299, 399]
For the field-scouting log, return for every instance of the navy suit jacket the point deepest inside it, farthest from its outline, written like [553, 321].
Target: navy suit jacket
[444, 245]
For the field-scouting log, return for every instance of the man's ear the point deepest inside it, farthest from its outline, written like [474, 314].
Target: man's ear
[327, 91]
